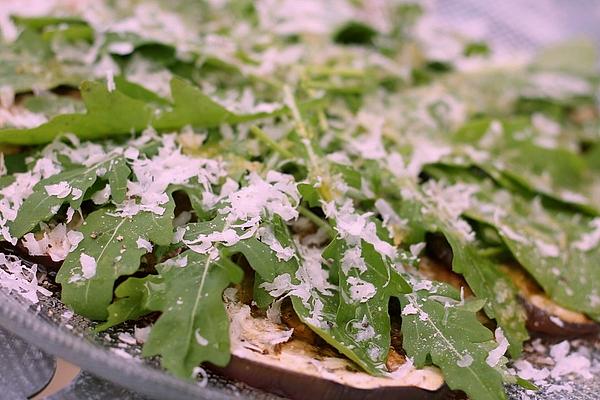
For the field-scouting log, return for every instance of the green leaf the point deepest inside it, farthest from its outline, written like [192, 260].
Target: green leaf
[554, 245]
[194, 326]
[524, 383]
[40, 206]
[450, 336]
[515, 154]
[45, 21]
[260, 296]
[325, 313]
[356, 321]
[111, 240]
[108, 114]
[50, 104]
[309, 194]
[489, 283]
[21, 60]
[192, 106]
[138, 92]
[482, 274]
[136, 297]
[111, 113]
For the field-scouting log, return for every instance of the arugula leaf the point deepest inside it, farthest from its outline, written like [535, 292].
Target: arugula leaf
[488, 282]
[40, 206]
[344, 326]
[108, 114]
[483, 275]
[21, 60]
[39, 23]
[366, 324]
[111, 240]
[111, 113]
[452, 336]
[555, 246]
[136, 297]
[193, 107]
[515, 153]
[50, 104]
[194, 326]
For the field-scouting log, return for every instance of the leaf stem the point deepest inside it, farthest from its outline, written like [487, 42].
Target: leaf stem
[305, 212]
[491, 251]
[267, 140]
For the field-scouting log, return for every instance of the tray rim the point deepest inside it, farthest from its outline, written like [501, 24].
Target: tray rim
[131, 374]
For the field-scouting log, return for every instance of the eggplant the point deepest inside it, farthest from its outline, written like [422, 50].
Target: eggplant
[268, 356]
[543, 314]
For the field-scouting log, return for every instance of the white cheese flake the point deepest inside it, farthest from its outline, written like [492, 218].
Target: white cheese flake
[265, 234]
[352, 259]
[102, 196]
[202, 341]
[591, 239]
[60, 190]
[448, 202]
[110, 80]
[88, 266]
[141, 334]
[410, 309]
[417, 248]
[567, 362]
[354, 227]
[179, 262]
[144, 244]
[495, 355]
[360, 290]
[20, 278]
[465, 361]
[127, 338]
[55, 242]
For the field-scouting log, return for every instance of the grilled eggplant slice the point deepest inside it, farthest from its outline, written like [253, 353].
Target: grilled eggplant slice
[268, 355]
[543, 314]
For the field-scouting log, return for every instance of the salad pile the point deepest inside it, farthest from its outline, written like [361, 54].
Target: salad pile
[163, 152]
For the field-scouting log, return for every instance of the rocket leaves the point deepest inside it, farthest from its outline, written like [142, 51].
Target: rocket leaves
[482, 274]
[135, 298]
[557, 247]
[540, 159]
[112, 241]
[115, 112]
[21, 67]
[324, 204]
[360, 330]
[488, 282]
[41, 205]
[365, 322]
[108, 113]
[454, 339]
[194, 326]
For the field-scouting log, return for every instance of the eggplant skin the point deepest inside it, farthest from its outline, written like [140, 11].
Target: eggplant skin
[543, 314]
[298, 386]
[539, 320]
[269, 355]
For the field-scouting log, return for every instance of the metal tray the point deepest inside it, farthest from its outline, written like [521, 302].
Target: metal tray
[46, 327]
